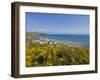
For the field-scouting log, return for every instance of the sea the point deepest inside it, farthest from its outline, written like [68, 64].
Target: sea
[83, 39]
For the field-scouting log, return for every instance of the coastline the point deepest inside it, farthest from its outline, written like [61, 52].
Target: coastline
[69, 43]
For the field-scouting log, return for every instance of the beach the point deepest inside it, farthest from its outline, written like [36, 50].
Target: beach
[51, 41]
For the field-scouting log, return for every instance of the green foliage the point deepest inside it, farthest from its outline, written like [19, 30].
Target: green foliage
[32, 35]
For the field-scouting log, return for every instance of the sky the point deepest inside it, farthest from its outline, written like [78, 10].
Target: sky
[57, 23]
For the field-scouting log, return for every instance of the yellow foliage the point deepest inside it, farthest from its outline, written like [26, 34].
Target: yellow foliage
[53, 55]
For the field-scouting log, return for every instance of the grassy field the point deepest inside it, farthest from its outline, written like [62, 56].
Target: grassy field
[47, 54]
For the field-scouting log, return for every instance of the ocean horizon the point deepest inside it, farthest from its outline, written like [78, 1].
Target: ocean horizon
[76, 38]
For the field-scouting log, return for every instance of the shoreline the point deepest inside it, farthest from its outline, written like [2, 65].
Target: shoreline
[69, 43]
[73, 43]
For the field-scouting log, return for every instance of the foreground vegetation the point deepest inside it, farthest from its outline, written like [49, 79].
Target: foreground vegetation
[47, 54]
[53, 55]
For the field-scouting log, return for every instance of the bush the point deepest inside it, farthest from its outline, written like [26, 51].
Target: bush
[55, 54]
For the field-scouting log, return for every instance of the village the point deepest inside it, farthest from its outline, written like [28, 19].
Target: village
[42, 41]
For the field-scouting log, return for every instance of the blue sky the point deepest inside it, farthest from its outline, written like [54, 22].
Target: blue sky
[57, 23]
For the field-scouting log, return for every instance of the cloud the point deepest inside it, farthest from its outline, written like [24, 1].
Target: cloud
[42, 30]
[78, 30]
[33, 22]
